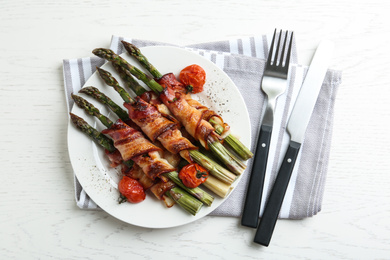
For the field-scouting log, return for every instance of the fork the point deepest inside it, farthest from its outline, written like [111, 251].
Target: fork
[273, 84]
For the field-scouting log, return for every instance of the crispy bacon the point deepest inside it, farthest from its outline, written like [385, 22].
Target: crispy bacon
[136, 172]
[156, 126]
[173, 159]
[160, 188]
[168, 201]
[148, 118]
[147, 96]
[115, 158]
[153, 165]
[129, 141]
[190, 117]
[133, 145]
[169, 81]
[185, 154]
[207, 113]
[152, 98]
[130, 123]
[174, 142]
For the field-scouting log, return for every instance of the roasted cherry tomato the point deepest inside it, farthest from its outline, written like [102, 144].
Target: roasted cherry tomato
[192, 175]
[193, 77]
[131, 189]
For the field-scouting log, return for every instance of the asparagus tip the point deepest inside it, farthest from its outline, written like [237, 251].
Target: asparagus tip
[100, 70]
[76, 99]
[97, 52]
[89, 89]
[77, 121]
[73, 117]
[131, 47]
[107, 77]
[104, 53]
[80, 102]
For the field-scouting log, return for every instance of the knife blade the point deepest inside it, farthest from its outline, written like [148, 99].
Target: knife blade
[296, 127]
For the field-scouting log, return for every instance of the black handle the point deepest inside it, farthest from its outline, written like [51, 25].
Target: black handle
[250, 214]
[275, 200]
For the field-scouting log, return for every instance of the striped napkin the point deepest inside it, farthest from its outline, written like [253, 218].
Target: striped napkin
[244, 60]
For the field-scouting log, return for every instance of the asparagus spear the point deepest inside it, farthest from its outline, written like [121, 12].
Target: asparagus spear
[98, 137]
[185, 200]
[231, 140]
[131, 82]
[137, 54]
[220, 151]
[215, 169]
[104, 99]
[200, 194]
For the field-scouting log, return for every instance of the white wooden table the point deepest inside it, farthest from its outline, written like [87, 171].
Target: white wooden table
[38, 215]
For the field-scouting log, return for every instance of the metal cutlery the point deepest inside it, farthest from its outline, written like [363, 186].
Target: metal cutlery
[273, 84]
[296, 127]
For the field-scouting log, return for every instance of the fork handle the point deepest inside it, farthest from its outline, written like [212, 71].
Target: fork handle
[250, 214]
[275, 200]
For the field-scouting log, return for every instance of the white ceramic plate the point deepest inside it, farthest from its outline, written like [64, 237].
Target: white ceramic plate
[92, 167]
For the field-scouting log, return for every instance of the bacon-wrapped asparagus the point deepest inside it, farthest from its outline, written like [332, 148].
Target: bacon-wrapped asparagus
[133, 146]
[183, 199]
[147, 117]
[195, 125]
[215, 185]
[220, 126]
[128, 167]
[173, 159]
[149, 162]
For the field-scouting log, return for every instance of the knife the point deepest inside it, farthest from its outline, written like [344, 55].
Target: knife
[296, 127]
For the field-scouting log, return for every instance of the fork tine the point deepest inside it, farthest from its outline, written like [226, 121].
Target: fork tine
[271, 50]
[277, 49]
[283, 49]
[289, 49]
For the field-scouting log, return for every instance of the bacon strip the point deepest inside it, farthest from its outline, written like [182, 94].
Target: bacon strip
[174, 142]
[148, 118]
[115, 158]
[132, 145]
[160, 188]
[136, 172]
[152, 98]
[129, 141]
[169, 80]
[208, 113]
[190, 117]
[153, 165]
[156, 126]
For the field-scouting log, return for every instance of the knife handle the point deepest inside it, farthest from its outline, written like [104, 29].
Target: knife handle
[275, 200]
[250, 214]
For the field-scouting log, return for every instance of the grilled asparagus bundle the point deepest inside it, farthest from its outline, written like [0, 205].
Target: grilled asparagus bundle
[220, 179]
[189, 117]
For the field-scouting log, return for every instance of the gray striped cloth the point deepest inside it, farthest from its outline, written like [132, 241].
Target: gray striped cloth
[243, 60]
